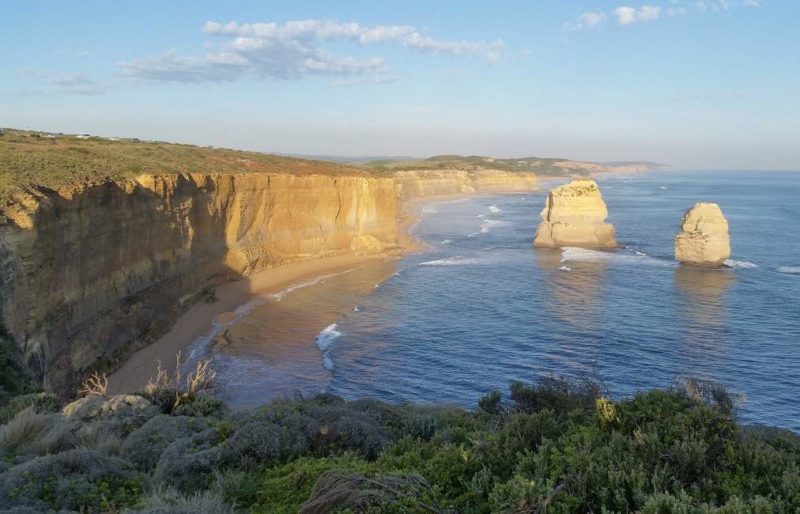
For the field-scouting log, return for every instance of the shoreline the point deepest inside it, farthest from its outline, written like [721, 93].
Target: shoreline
[198, 320]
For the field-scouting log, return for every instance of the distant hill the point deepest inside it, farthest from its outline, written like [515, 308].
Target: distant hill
[541, 165]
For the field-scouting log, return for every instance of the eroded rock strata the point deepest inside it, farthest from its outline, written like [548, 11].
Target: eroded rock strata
[574, 215]
[90, 273]
[703, 240]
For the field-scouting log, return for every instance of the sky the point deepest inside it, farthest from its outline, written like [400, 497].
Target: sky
[711, 84]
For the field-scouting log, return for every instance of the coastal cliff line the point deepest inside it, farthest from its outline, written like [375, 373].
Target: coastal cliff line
[91, 272]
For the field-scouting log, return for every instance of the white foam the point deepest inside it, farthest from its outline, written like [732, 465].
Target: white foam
[488, 224]
[325, 339]
[451, 261]
[481, 216]
[495, 209]
[663, 187]
[446, 241]
[299, 285]
[793, 270]
[356, 309]
[564, 268]
[739, 264]
[573, 254]
[429, 209]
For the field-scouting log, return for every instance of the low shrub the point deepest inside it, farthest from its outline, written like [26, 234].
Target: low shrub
[145, 446]
[38, 402]
[74, 480]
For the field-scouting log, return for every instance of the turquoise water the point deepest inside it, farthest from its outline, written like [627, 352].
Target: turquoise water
[483, 307]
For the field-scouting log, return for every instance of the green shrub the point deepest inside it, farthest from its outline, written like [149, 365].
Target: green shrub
[189, 464]
[38, 402]
[145, 445]
[80, 480]
[283, 489]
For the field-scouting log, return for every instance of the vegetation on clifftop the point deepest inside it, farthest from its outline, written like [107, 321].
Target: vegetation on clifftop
[557, 446]
[34, 158]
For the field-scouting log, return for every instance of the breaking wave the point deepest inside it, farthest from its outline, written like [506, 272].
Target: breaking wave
[452, 261]
[739, 264]
[792, 270]
[495, 209]
[573, 254]
[325, 339]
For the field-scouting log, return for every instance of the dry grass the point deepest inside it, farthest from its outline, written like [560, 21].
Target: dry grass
[95, 385]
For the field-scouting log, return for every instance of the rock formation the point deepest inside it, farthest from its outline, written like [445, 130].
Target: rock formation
[574, 215]
[703, 239]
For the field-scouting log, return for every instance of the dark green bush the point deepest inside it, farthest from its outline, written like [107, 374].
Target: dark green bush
[145, 446]
[77, 480]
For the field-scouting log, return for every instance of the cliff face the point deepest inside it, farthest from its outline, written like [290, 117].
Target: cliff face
[425, 183]
[88, 274]
[703, 240]
[574, 215]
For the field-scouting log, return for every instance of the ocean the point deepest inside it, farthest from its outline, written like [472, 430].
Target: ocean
[482, 307]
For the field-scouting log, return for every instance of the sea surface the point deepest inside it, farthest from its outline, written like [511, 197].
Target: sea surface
[483, 307]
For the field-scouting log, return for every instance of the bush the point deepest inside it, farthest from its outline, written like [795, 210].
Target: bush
[169, 501]
[31, 433]
[189, 464]
[80, 480]
[145, 446]
[38, 402]
[349, 492]
[283, 489]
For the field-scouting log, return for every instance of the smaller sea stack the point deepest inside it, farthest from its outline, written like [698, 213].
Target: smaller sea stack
[703, 240]
[574, 215]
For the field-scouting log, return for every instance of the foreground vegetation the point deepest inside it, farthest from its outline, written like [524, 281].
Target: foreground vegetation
[556, 446]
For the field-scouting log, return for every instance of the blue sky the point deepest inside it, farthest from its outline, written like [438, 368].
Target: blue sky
[696, 84]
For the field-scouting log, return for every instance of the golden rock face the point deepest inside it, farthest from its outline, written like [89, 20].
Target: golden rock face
[703, 240]
[90, 273]
[574, 215]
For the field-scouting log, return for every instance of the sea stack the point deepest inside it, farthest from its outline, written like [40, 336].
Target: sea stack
[703, 240]
[574, 215]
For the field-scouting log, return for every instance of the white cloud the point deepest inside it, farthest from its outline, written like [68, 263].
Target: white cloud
[630, 15]
[586, 20]
[293, 50]
[67, 83]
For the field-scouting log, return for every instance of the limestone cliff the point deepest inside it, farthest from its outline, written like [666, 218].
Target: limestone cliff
[425, 183]
[703, 240]
[574, 215]
[89, 273]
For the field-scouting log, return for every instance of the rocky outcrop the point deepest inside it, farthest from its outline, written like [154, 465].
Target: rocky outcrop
[574, 215]
[90, 273]
[703, 240]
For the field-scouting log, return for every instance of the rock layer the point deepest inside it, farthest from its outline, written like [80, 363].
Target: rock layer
[703, 240]
[574, 215]
[90, 273]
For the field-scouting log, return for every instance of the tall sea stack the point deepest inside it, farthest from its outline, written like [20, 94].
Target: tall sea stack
[574, 215]
[703, 240]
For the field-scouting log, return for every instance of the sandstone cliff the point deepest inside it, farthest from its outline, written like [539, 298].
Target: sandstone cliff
[703, 240]
[91, 272]
[574, 215]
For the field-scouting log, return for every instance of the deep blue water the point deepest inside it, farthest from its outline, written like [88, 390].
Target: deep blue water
[484, 308]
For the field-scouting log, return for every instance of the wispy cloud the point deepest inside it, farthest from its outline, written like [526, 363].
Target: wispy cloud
[65, 83]
[628, 15]
[294, 50]
[586, 20]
